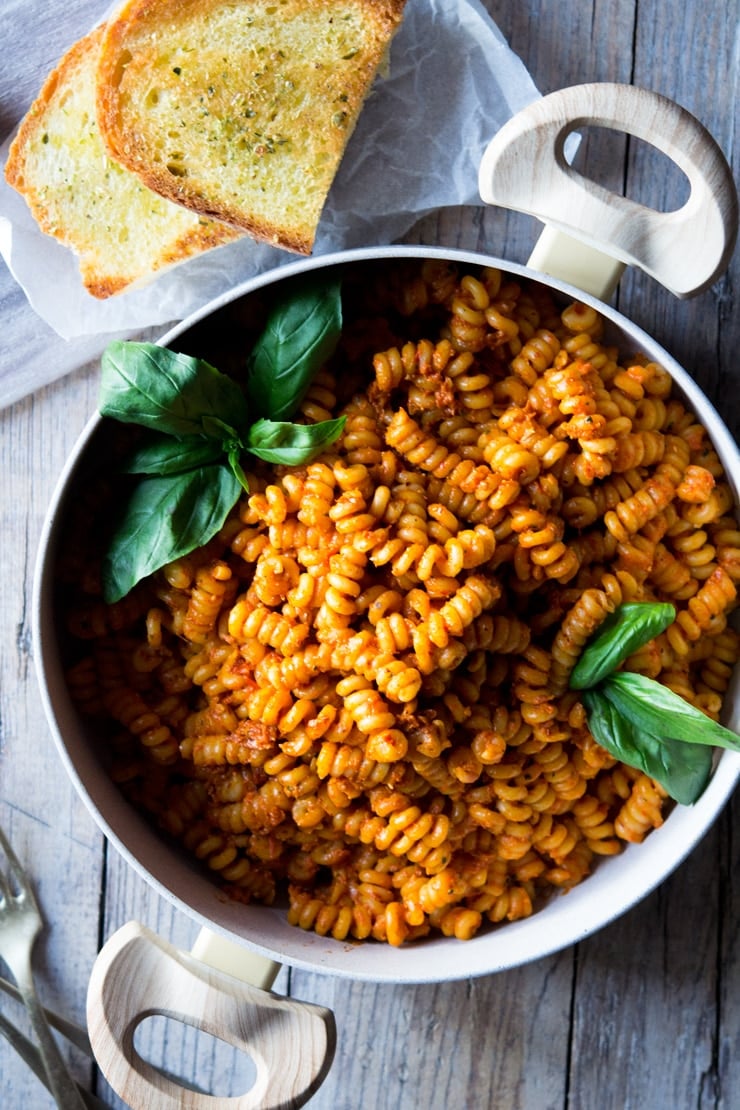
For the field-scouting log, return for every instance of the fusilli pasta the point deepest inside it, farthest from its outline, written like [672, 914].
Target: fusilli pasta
[356, 697]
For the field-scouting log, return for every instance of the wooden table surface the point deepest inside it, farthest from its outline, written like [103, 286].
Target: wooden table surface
[643, 1015]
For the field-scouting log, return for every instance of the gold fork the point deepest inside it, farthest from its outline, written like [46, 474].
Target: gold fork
[20, 924]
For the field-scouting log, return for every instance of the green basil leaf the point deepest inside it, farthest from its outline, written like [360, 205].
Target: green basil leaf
[625, 630]
[292, 444]
[653, 707]
[142, 383]
[299, 336]
[682, 769]
[163, 519]
[163, 454]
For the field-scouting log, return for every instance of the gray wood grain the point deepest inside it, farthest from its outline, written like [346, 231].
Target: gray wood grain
[449, 1046]
[641, 1016]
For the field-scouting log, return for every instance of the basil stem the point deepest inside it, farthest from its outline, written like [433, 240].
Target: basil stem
[640, 721]
[300, 334]
[237, 469]
[164, 518]
[625, 630]
[682, 769]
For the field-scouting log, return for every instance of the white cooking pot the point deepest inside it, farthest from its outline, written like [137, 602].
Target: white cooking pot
[590, 235]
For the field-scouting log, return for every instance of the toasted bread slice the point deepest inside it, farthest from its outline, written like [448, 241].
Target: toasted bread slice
[122, 232]
[241, 109]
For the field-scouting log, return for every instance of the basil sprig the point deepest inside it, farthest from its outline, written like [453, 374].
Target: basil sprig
[638, 720]
[200, 423]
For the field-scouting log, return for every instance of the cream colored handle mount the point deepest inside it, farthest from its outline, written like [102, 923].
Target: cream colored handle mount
[524, 168]
[139, 975]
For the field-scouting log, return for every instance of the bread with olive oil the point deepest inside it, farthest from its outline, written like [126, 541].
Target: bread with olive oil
[241, 111]
[122, 232]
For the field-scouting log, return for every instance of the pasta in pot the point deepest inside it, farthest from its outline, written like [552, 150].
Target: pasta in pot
[357, 695]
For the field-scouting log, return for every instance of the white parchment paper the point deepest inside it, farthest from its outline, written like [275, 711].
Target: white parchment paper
[453, 82]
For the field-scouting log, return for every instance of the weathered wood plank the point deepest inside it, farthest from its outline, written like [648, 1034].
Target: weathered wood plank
[726, 1064]
[702, 333]
[647, 982]
[448, 1046]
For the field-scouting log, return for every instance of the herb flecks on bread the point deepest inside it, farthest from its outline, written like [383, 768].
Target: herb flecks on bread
[122, 232]
[241, 111]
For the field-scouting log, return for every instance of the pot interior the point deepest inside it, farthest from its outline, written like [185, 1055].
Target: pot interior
[617, 882]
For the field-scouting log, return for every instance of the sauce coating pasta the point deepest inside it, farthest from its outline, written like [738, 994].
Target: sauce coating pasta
[356, 697]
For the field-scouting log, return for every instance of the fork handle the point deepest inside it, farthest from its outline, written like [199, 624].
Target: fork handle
[75, 1034]
[30, 1053]
[61, 1084]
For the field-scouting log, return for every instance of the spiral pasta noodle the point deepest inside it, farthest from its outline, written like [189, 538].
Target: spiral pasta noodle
[355, 698]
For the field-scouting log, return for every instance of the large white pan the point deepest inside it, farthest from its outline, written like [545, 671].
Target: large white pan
[591, 234]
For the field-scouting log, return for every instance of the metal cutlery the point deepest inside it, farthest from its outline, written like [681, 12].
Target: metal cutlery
[28, 1051]
[75, 1034]
[20, 924]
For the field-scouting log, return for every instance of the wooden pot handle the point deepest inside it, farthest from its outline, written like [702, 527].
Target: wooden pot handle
[524, 168]
[139, 975]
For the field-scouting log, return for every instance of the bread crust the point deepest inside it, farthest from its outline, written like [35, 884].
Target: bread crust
[241, 112]
[75, 199]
